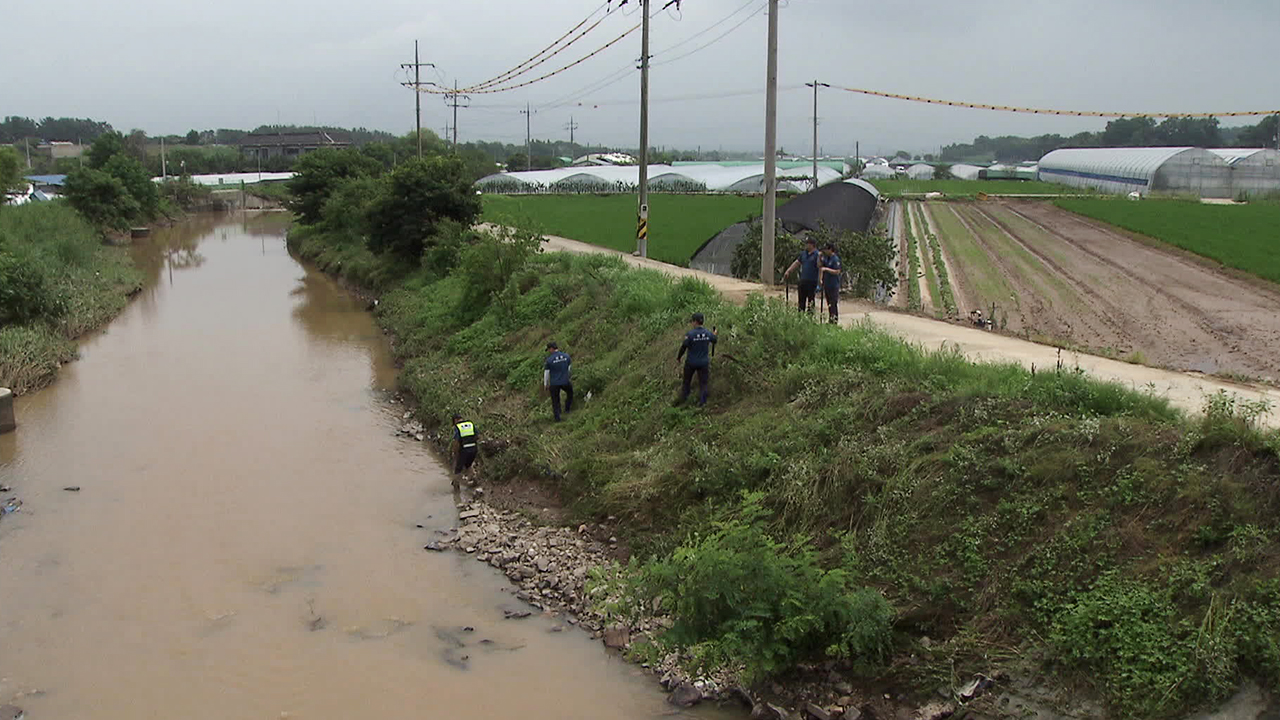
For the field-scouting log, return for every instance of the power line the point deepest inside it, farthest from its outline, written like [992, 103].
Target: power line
[707, 29]
[718, 38]
[520, 70]
[1043, 111]
[517, 69]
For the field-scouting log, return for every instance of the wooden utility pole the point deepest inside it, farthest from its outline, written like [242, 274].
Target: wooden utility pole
[770, 151]
[417, 92]
[642, 216]
[815, 85]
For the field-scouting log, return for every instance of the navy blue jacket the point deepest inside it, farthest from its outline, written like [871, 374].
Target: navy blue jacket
[697, 342]
[831, 280]
[809, 264]
[558, 363]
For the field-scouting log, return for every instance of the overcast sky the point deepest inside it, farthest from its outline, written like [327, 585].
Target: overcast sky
[167, 66]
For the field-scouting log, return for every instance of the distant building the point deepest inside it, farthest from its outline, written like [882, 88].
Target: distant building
[1144, 170]
[274, 145]
[59, 149]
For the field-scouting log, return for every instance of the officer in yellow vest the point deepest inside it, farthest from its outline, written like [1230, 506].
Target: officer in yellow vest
[464, 440]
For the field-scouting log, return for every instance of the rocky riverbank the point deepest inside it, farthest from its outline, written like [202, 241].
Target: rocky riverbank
[564, 572]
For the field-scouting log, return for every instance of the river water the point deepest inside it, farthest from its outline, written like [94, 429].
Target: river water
[244, 540]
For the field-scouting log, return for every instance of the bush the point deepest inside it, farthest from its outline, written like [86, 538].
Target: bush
[26, 294]
[738, 596]
[320, 173]
[419, 196]
[102, 199]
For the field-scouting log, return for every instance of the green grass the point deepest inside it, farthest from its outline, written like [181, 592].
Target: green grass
[985, 284]
[1048, 523]
[936, 301]
[914, 301]
[1239, 236]
[971, 188]
[88, 282]
[678, 224]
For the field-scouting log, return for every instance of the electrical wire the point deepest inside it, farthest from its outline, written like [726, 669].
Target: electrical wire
[700, 48]
[518, 69]
[517, 72]
[707, 29]
[1043, 111]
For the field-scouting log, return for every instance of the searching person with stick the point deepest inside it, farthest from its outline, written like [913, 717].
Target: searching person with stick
[555, 378]
[830, 275]
[808, 262]
[700, 344]
[464, 442]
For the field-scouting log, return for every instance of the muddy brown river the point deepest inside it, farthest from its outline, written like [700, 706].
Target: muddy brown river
[243, 543]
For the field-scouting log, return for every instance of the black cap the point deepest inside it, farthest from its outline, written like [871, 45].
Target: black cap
[810, 241]
[829, 246]
[552, 345]
[697, 317]
[456, 417]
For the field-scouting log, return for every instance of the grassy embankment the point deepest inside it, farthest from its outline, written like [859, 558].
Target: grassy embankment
[970, 188]
[1241, 237]
[1018, 521]
[57, 281]
[678, 224]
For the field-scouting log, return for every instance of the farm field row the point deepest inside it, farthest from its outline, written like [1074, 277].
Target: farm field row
[1054, 276]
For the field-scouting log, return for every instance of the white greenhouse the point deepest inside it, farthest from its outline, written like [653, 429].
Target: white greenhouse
[1145, 171]
[1254, 171]
[877, 171]
[920, 171]
[964, 171]
[685, 178]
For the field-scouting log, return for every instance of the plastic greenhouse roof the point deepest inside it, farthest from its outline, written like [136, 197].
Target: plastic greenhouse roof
[715, 177]
[1128, 163]
[1231, 156]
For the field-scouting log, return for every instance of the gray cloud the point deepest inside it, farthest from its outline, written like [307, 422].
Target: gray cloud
[168, 67]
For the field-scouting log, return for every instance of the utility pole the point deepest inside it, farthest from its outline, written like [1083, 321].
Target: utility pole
[571, 127]
[455, 104]
[770, 151]
[642, 216]
[417, 92]
[528, 137]
[164, 164]
[27, 143]
[815, 85]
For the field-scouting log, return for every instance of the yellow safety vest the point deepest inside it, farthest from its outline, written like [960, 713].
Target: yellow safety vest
[466, 430]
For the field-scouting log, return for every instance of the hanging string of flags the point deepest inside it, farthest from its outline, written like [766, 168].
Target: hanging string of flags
[1043, 111]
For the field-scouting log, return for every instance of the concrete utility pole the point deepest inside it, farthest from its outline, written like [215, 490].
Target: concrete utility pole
[770, 151]
[417, 92]
[642, 216]
[571, 127]
[164, 165]
[453, 100]
[528, 137]
[815, 85]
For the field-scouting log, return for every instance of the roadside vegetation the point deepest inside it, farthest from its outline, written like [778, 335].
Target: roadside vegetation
[867, 258]
[57, 281]
[894, 188]
[1240, 237]
[679, 225]
[845, 495]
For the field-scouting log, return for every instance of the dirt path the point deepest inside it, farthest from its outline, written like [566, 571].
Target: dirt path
[928, 303]
[1184, 390]
[900, 265]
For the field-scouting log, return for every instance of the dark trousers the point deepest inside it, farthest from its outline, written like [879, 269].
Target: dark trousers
[807, 294]
[555, 399]
[833, 303]
[466, 456]
[704, 382]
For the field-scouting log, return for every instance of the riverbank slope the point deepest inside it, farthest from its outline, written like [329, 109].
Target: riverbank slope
[57, 281]
[1015, 521]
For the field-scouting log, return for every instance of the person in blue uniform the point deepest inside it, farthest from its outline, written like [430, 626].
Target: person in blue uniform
[807, 262]
[465, 442]
[555, 378]
[830, 274]
[696, 350]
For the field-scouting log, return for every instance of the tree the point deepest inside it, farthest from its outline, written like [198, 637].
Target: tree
[104, 148]
[902, 154]
[942, 171]
[101, 198]
[137, 182]
[193, 137]
[1261, 135]
[1129, 132]
[418, 196]
[320, 172]
[10, 169]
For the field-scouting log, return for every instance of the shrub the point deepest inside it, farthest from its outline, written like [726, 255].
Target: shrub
[419, 196]
[320, 173]
[737, 595]
[102, 199]
[26, 294]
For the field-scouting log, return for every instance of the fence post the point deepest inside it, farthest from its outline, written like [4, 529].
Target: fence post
[7, 420]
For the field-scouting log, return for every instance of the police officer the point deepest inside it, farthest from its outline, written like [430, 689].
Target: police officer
[464, 441]
[555, 378]
[830, 274]
[698, 343]
[807, 261]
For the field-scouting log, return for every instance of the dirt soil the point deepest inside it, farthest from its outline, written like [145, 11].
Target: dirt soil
[1134, 298]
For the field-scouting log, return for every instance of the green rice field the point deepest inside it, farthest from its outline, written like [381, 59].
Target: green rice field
[1244, 237]
[678, 224]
